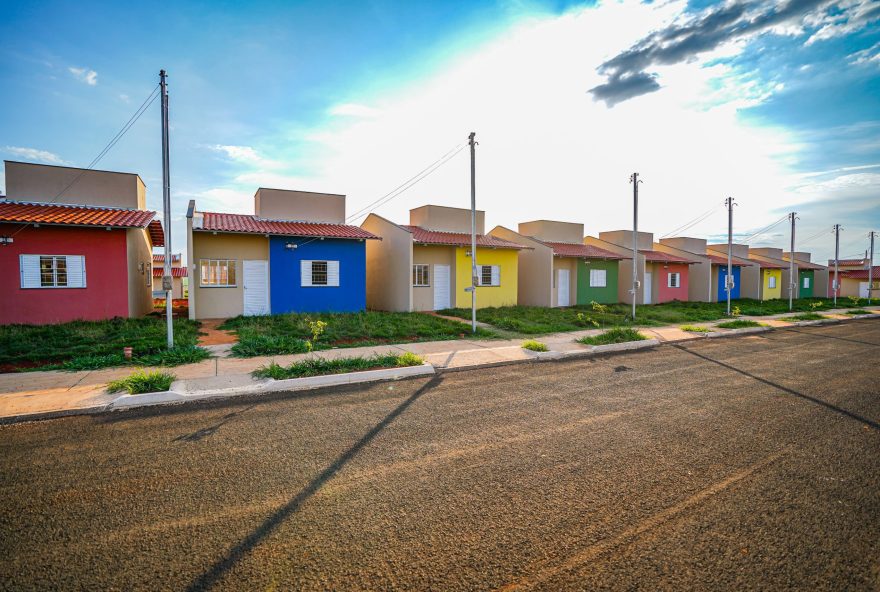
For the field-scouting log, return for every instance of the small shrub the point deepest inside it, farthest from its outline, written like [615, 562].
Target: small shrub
[857, 311]
[320, 366]
[735, 311]
[409, 359]
[694, 329]
[814, 306]
[598, 308]
[615, 335]
[142, 382]
[806, 316]
[855, 301]
[739, 324]
[586, 321]
[533, 345]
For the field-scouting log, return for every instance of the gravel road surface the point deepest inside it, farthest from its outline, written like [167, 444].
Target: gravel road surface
[743, 463]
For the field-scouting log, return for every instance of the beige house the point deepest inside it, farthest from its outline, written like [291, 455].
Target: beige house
[426, 264]
[559, 269]
[853, 278]
[178, 276]
[812, 277]
[706, 282]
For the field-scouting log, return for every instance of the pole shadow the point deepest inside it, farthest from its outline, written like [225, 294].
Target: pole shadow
[208, 579]
[831, 407]
[823, 336]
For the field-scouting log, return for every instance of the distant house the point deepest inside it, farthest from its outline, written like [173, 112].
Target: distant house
[559, 269]
[812, 277]
[294, 254]
[663, 277]
[707, 280]
[853, 278]
[774, 274]
[74, 244]
[426, 264]
[178, 276]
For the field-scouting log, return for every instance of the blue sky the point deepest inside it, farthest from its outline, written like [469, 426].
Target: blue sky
[777, 104]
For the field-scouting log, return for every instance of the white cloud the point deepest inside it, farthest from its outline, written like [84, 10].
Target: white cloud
[865, 56]
[35, 155]
[246, 155]
[124, 98]
[354, 110]
[90, 77]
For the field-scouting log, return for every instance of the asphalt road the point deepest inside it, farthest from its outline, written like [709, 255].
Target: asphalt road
[745, 463]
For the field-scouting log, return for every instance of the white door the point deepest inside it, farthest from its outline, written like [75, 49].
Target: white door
[441, 287]
[562, 288]
[648, 278]
[863, 289]
[256, 288]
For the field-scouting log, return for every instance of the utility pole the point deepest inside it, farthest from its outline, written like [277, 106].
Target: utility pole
[473, 233]
[836, 261]
[728, 284]
[634, 179]
[871, 267]
[167, 281]
[792, 279]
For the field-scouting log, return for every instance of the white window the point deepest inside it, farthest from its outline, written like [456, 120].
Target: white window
[806, 282]
[673, 280]
[771, 281]
[148, 267]
[489, 275]
[52, 271]
[598, 278]
[421, 278]
[319, 273]
[217, 273]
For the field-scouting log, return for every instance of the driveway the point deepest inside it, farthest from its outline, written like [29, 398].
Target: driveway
[746, 463]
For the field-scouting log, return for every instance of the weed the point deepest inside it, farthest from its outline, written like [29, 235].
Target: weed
[320, 366]
[806, 316]
[739, 324]
[533, 345]
[615, 335]
[694, 329]
[857, 311]
[142, 382]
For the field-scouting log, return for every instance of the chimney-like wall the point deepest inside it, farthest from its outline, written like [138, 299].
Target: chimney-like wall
[552, 231]
[304, 206]
[624, 238]
[446, 219]
[27, 181]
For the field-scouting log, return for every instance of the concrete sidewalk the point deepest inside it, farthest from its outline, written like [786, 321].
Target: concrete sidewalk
[29, 393]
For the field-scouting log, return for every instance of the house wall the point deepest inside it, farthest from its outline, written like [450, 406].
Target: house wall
[423, 297]
[45, 183]
[503, 295]
[389, 266]
[720, 273]
[283, 204]
[821, 285]
[550, 230]
[701, 288]
[446, 219]
[535, 268]
[806, 292]
[569, 263]
[623, 238]
[219, 303]
[286, 292]
[661, 290]
[768, 293]
[750, 282]
[139, 251]
[106, 292]
[624, 267]
[606, 295]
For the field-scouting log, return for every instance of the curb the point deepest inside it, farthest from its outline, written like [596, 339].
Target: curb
[734, 332]
[595, 350]
[44, 415]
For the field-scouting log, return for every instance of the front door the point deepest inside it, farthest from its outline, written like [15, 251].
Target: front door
[441, 287]
[256, 288]
[648, 277]
[863, 289]
[562, 287]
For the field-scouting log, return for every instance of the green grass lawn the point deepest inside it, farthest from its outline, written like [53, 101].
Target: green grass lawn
[97, 344]
[288, 333]
[533, 320]
[615, 335]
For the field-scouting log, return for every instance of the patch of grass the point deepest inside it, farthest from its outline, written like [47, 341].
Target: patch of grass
[534, 320]
[533, 345]
[739, 324]
[857, 311]
[288, 333]
[694, 329]
[615, 335]
[169, 357]
[96, 344]
[142, 382]
[320, 366]
[806, 316]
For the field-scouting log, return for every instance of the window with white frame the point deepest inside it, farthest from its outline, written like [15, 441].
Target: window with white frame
[319, 274]
[806, 282]
[421, 277]
[489, 275]
[673, 280]
[217, 273]
[52, 271]
[598, 278]
[771, 281]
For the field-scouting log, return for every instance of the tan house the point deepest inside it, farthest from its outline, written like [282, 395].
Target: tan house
[853, 278]
[812, 277]
[178, 276]
[559, 269]
[426, 264]
[707, 279]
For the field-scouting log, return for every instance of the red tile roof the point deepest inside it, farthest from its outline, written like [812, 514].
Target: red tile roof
[769, 264]
[246, 224]
[581, 250]
[459, 239]
[660, 257]
[722, 260]
[860, 274]
[847, 262]
[161, 257]
[157, 235]
[73, 215]
[175, 272]
[808, 265]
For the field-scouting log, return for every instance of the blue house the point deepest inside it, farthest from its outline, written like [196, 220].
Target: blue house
[295, 254]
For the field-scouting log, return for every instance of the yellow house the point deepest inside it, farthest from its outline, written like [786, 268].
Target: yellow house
[426, 264]
[774, 273]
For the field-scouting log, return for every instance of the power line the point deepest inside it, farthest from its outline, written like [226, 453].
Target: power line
[766, 229]
[815, 236]
[694, 221]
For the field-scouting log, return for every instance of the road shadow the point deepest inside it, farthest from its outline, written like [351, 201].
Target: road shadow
[840, 410]
[208, 579]
[823, 336]
[203, 433]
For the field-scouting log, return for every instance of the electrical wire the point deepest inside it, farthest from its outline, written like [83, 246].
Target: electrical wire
[766, 229]
[705, 215]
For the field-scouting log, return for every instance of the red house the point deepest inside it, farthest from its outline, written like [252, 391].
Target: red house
[62, 259]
